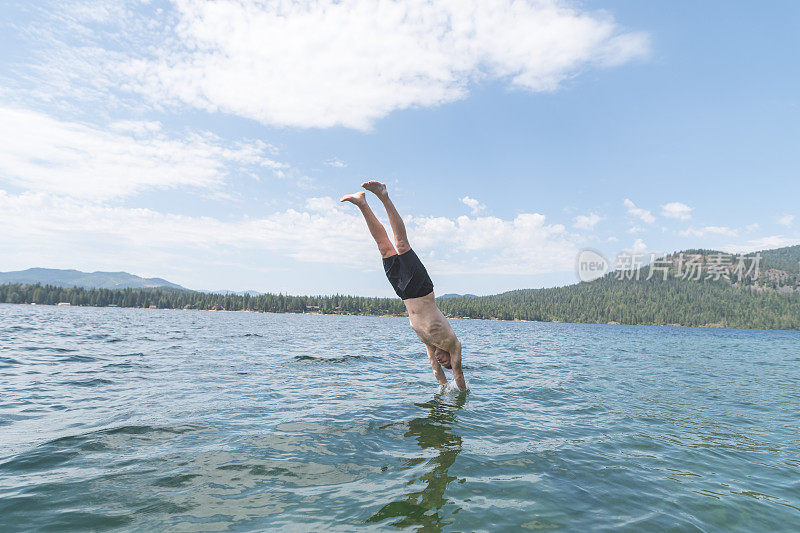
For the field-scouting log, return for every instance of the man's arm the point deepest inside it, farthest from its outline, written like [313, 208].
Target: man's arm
[437, 368]
[455, 363]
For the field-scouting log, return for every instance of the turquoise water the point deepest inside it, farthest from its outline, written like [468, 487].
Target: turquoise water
[145, 420]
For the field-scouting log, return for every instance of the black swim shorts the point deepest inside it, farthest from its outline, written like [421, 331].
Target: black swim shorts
[407, 275]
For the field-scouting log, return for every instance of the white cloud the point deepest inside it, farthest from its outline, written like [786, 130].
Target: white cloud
[319, 232]
[523, 245]
[323, 63]
[752, 227]
[316, 234]
[677, 210]
[637, 248]
[587, 222]
[335, 162]
[136, 127]
[709, 230]
[762, 243]
[643, 214]
[786, 220]
[39, 152]
[633, 230]
[474, 205]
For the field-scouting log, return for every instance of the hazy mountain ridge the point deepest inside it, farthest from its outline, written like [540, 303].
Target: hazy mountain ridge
[87, 280]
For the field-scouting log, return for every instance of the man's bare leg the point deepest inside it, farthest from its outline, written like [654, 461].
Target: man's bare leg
[375, 227]
[398, 228]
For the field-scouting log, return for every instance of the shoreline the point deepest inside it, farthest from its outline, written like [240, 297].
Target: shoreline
[703, 326]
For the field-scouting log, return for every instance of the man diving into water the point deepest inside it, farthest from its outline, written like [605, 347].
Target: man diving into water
[412, 284]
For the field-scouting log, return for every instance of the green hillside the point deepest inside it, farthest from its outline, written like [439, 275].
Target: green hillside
[786, 259]
[654, 302]
[710, 293]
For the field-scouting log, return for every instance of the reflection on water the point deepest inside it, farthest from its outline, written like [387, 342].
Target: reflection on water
[421, 508]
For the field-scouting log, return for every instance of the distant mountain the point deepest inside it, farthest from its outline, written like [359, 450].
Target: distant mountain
[454, 295]
[87, 280]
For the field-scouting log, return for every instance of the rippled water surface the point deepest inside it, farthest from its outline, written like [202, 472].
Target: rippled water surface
[187, 420]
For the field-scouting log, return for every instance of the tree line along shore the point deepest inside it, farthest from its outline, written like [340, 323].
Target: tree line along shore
[606, 300]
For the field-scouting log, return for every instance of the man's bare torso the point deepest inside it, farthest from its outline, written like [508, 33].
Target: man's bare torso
[428, 322]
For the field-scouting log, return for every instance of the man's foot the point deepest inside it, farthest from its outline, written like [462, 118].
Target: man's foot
[376, 187]
[357, 198]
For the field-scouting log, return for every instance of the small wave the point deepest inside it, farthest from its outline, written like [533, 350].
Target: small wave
[126, 364]
[145, 429]
[21, 328]
[53, 453]
[48, 349]
[78, 359]
[175, 481]
[41, 458]
[335, 360]
[14, 417]
[94, 382]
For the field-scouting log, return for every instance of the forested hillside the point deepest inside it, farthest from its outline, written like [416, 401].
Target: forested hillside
[690, 288]
[654, 302]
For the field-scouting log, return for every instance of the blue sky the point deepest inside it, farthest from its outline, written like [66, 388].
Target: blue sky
[209, 143]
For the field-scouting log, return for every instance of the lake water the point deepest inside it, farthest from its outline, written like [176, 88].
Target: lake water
[204, 421]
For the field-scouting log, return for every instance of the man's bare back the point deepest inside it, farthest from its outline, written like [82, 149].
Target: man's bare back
[434, 330]
[412, 283]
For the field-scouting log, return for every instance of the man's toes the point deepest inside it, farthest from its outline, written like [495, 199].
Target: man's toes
[353, 198]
